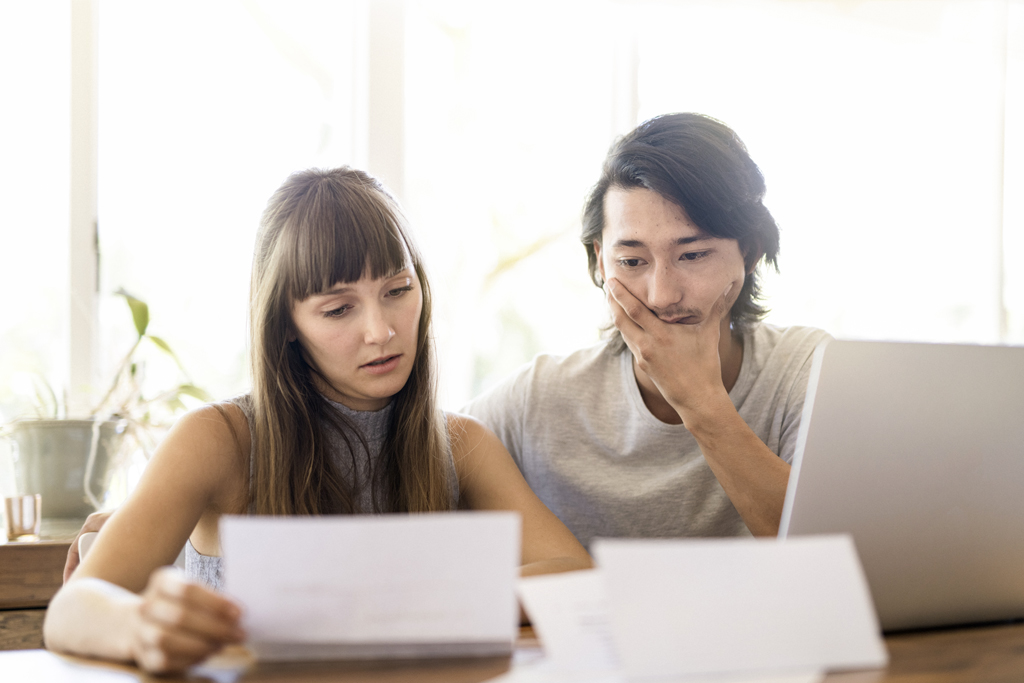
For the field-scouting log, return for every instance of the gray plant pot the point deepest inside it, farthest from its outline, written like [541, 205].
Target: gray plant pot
[50, 458]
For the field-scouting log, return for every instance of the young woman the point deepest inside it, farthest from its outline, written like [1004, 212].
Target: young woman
[342, 419]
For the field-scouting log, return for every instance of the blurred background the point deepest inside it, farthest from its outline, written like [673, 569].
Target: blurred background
[890, 132]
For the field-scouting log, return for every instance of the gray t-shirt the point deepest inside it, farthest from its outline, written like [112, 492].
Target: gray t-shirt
[596, 456]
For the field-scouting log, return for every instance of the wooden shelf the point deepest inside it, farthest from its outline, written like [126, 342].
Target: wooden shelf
[30, 573]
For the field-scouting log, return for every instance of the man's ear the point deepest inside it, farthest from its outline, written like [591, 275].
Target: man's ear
[600, 263]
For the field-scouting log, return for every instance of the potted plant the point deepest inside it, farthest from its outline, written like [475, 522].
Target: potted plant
[70, 461]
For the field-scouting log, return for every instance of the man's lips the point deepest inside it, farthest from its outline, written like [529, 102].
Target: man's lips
[682, 320]
[382, 365]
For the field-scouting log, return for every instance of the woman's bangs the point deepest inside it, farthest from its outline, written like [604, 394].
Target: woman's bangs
[340, 236]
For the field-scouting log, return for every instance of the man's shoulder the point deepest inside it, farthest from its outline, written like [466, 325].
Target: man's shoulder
[781, 349]
[792, 338]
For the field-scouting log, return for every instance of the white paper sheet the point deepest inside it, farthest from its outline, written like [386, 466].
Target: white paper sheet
[740, 606]
[569, 613]
[374, 586]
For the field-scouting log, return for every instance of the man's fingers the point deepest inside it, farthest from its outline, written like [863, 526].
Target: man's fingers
[719, 309]
[619, 316]
[629, 304]
[93, 522]
[71, 563]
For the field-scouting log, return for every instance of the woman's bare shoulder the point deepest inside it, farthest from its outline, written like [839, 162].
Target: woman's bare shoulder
[220, 420]
[472, 444]
[466, 432]
[214, 439]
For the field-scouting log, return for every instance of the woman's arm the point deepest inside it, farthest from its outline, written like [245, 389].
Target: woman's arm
[115, 604]
[490, 480]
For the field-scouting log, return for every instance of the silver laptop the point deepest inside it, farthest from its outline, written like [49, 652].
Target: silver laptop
[917, 451]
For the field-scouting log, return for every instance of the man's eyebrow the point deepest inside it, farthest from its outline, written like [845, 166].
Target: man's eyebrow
[682, 241]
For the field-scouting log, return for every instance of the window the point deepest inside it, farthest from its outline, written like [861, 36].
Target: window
[35, 58]
[889, 132]
[882, 129]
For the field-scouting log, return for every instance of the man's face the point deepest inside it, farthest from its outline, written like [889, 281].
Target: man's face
[653, 248]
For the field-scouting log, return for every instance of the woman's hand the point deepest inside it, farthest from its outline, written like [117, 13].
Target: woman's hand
[178, 623]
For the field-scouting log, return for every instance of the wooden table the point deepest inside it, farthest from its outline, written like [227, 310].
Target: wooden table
[981, 654]
[30, 573]
[988, 654]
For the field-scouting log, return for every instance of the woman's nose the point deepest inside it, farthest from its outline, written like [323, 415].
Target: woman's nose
[378, 330]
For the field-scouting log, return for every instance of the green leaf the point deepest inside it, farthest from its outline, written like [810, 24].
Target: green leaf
[162, 345]
[193, 391]
[166, 348]
[140, 311]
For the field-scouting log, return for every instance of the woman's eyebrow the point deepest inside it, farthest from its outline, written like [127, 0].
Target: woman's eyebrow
[336, 289]
[398, 272]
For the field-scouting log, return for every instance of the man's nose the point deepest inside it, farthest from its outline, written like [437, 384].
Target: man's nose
[378, 329]
[663, 290]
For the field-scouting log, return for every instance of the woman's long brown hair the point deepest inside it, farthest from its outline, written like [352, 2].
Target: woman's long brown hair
[320, 228]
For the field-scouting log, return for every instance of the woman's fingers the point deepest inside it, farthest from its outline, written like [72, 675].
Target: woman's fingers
[196, 610]
[160, 649]
[182, 623]
[171, 583]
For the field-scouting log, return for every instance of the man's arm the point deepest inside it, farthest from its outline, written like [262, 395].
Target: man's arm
[684, 364]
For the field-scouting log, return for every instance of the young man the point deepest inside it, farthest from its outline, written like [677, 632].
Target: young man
[685, 421]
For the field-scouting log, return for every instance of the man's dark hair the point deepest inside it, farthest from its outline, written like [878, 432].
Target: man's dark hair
[700, 165]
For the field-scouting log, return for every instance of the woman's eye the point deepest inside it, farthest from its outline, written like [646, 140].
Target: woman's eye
[693, 256]
[400, 291]
[629, 262]
[337, 312]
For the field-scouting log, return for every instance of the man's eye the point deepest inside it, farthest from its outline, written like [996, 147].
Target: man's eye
[693, 256]
[629, 262]
[400, 291]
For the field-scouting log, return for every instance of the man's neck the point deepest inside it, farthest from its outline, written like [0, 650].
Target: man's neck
[730, 352]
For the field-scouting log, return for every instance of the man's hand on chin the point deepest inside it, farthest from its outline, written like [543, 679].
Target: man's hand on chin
[681, 359]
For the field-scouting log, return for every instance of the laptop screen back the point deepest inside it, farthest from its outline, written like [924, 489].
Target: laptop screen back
[917, 450]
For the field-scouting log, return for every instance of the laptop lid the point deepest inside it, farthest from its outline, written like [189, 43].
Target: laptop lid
[917, 451]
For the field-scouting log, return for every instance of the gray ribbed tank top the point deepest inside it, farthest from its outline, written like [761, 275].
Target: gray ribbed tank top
[357, 471]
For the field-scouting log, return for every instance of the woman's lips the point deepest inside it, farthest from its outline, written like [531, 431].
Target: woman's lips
[382, 365]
